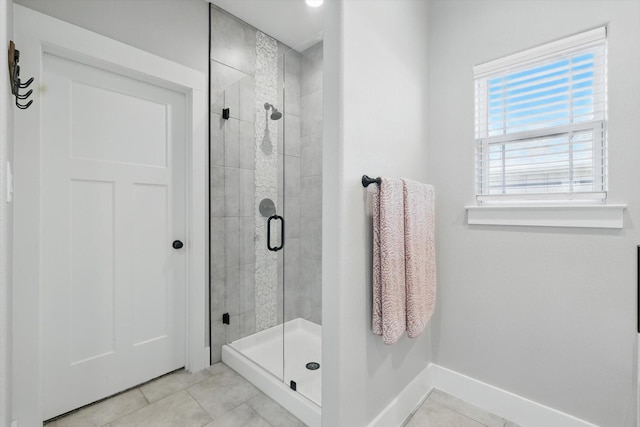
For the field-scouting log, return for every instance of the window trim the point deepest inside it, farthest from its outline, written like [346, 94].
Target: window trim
[544, 215]
[582, 210]
[534, 54]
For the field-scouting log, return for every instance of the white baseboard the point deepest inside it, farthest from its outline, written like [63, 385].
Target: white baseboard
[508, 405]
[399, 409]
[518, 409]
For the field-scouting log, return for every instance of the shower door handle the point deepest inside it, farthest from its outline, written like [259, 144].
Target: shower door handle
[275, 248]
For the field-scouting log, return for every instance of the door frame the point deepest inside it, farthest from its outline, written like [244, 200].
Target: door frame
[49, 35]
[6, 132]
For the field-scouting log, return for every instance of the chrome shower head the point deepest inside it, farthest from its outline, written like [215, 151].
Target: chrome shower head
[275, 115]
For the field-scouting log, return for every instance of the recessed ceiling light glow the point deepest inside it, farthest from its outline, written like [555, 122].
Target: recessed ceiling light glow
[314, 3]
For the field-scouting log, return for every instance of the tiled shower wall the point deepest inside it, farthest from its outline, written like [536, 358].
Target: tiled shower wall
[289, 164]
[233, 65]
[311, 179]
[233, 69]
[303, 184]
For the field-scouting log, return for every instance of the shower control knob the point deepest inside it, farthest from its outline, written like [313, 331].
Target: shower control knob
[177, 244]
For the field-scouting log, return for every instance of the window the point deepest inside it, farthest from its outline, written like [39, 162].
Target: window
[541, 122]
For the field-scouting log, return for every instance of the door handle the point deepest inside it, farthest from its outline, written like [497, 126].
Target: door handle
[275, 248]
[177, 244]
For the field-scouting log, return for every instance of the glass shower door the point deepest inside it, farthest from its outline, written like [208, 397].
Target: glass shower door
[302, 177]
[247, 221]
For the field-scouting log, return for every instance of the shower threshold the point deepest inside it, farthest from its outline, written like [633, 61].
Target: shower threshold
[259, 358]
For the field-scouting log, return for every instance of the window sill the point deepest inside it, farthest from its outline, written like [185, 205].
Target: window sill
[585, 216]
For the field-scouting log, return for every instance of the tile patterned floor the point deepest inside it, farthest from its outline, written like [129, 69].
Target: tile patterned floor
[444, 410]
[214, 397]
[219, 397]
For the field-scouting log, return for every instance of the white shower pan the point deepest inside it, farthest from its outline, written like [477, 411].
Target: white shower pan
[259, 358]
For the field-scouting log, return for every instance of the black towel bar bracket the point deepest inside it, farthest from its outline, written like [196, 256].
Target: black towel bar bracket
[366, 180]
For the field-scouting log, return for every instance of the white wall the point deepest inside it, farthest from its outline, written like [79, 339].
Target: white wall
[6, 135]
[375, 123]
[173, 29]
[548, 314]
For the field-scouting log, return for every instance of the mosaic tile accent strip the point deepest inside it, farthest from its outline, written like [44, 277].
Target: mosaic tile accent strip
[266, 178]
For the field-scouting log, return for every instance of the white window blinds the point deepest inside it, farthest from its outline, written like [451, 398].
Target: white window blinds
[540, 122]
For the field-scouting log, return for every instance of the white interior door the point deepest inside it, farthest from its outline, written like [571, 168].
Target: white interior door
[112, 202]
[98, 292]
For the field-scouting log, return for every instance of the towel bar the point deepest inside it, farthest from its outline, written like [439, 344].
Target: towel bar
[366, 180]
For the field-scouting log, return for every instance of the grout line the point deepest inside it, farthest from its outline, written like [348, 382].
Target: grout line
[165, 397]
[235, 407]
[467, 416]
[258, 414]
[132, 412]
[464, 415]
[417, 408]
[233, 68]
[200, 405]
[145, 396]
[98, 402]
[424, 401]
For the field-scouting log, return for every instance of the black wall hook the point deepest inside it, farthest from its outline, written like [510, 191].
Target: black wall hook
[14, 75]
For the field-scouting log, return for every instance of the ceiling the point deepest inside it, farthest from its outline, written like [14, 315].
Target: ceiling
[290, 21]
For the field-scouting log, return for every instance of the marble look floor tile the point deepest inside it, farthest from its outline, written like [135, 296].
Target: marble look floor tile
[179, 409]
[104, 412]
[223, 391]
[467, 409]
[275, 414]
[171, 383]
[242, 416]
[433, 414]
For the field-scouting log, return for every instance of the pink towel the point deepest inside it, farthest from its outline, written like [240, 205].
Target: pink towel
[389, 299]
[419, 251]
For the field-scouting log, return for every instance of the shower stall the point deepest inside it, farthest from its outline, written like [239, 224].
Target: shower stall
[266, 212]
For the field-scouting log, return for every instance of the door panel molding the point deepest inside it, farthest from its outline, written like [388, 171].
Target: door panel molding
[37, 34]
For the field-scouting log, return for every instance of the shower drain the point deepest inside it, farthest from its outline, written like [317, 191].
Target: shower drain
[312, 366]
